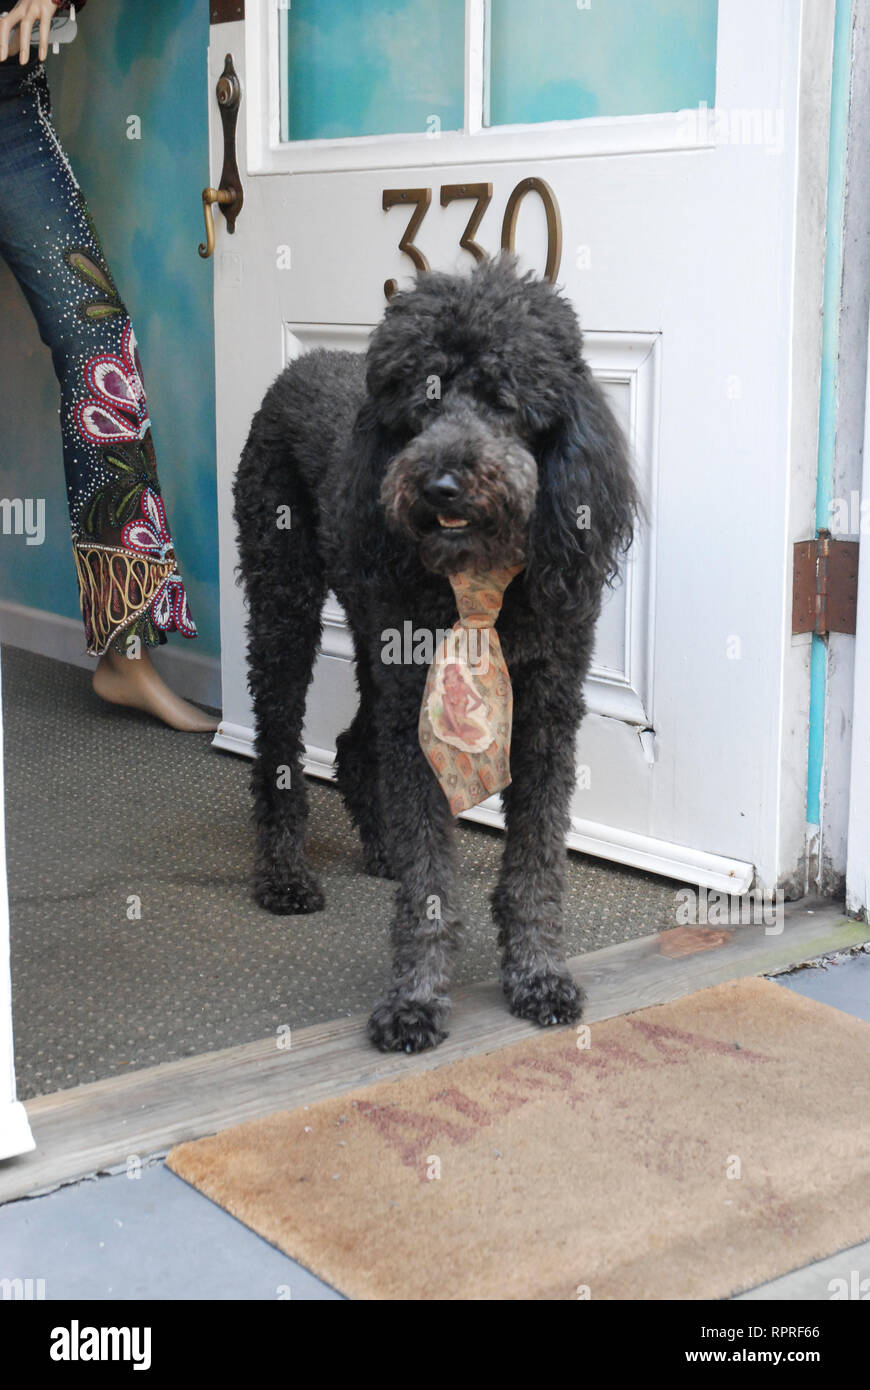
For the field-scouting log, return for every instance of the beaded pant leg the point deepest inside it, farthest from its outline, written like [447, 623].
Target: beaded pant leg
[129, 583]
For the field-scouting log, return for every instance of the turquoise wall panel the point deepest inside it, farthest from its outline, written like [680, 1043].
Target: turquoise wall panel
[552, 60]
[147, 61]
[373, 67]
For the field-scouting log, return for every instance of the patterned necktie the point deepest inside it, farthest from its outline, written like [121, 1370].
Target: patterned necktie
[465, 719]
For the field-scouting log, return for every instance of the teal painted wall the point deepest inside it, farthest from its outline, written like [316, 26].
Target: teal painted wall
[146, 60]
[552, 60]
[373, 67]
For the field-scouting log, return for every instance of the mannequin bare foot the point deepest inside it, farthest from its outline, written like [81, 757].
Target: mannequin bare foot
[136, 684]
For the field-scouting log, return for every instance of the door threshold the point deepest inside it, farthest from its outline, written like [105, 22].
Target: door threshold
[106, 1125]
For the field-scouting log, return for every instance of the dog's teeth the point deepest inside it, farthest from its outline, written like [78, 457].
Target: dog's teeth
[451, 522]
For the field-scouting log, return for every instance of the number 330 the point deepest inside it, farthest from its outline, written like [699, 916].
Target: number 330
[421, 199]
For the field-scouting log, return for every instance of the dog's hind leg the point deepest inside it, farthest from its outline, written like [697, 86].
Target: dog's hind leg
[527, 902]
[286, 587]
[357, 773]
[419, 834]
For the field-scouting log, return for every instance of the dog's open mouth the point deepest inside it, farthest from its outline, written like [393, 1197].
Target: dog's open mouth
[452, 523]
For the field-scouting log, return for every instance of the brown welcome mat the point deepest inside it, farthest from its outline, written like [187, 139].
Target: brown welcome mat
[692, 1150]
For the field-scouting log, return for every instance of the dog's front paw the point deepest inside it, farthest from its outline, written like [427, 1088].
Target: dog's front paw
[407, 1025]
[545, 999]
[288, 893]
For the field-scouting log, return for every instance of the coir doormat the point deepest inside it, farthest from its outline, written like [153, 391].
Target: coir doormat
[687, 1151]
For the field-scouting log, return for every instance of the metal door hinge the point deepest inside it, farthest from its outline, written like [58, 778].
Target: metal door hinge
[223, 11]
[825, 591]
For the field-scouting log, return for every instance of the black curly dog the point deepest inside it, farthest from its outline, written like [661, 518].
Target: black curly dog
[473, 403]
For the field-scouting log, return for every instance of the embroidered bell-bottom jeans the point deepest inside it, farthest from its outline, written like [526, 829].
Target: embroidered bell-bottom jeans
[124, 556]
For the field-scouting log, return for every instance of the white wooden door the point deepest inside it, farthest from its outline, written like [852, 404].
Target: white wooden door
[678, 239]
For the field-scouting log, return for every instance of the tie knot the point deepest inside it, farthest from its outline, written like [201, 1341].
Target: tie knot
[479, 595]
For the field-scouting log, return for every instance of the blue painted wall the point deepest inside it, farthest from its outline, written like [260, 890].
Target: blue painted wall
[552, 60]
[147, 60]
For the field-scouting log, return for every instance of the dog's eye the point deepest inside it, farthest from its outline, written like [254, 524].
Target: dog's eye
[493, 384]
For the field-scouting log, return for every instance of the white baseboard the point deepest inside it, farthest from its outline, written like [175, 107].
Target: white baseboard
[48, 634]
[680, 862]
[234, 738]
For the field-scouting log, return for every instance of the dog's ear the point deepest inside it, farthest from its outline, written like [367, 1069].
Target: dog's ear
[370, 449]
[359, 509]
[587, 501]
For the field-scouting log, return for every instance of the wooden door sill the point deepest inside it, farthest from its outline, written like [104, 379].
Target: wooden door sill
[99, 1127]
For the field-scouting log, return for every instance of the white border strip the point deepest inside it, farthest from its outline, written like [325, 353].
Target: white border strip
[858, 845]
[475, 65]
[679, 862]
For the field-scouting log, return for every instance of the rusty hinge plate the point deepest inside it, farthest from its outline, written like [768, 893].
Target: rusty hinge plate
[222, 11]
[825, 592]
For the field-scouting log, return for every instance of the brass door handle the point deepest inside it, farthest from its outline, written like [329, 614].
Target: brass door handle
[228, 196]
[223, 197]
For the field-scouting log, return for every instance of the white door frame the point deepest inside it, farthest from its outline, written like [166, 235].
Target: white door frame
[858, 853]
[15, 1135]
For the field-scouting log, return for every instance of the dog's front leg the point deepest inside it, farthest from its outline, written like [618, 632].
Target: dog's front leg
[419, 833]
[527, 902]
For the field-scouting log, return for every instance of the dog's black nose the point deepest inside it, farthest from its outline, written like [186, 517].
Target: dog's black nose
[441, 490]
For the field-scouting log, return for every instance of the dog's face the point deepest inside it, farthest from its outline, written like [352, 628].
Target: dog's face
[464, 488]
[464, 374]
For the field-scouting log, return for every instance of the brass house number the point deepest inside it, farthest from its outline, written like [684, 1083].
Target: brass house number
[421, 199]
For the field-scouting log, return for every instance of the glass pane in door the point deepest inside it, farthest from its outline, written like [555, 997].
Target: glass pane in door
[557, 60]
[371, 67]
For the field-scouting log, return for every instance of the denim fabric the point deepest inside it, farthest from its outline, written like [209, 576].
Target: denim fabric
[125, 558]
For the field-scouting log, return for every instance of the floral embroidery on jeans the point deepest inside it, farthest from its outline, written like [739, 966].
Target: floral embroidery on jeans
[116, 410]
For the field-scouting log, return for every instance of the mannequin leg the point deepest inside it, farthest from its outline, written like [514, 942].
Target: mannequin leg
[135, 683]
[131, 591]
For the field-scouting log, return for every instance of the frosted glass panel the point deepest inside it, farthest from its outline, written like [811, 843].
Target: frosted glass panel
[553, 61]
[371, 67]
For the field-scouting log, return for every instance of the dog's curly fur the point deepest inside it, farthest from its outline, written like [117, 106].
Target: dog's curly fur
[473, 402]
